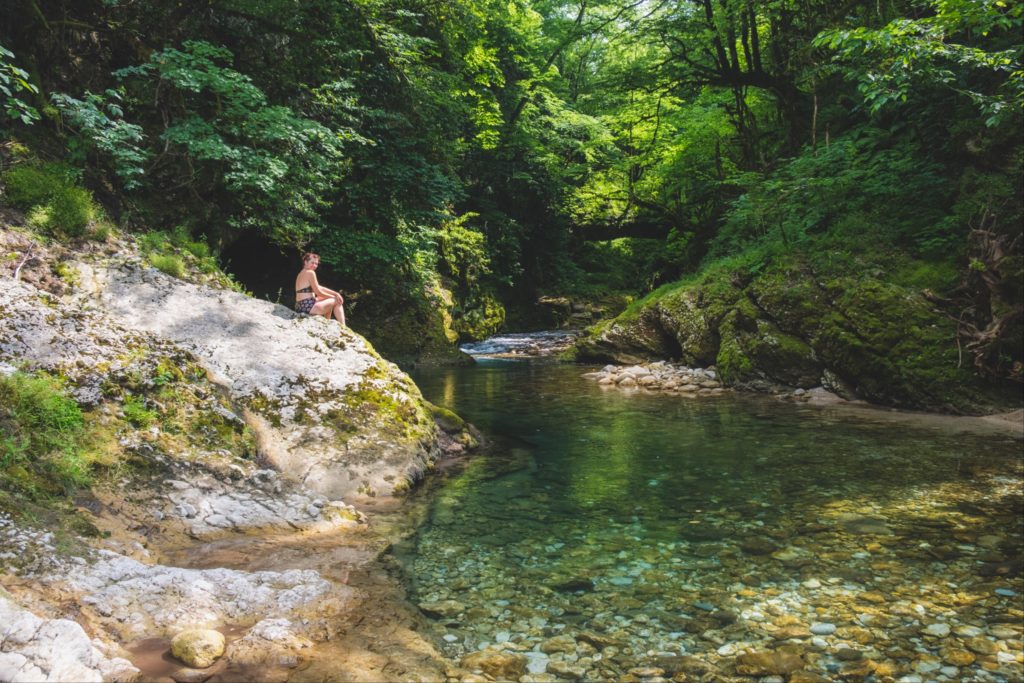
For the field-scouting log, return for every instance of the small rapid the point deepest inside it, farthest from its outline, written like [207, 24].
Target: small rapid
[523, 344]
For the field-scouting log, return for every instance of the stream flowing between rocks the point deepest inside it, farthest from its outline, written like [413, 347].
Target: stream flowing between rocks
[610, 534]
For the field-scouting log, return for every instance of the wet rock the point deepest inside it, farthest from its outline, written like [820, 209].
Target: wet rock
[504, 666]
[787, 632]
[562, 643]
[538, 678]
[566, 670]
[442, 609]
[823, 629]
[856, 524]
[768, 663]
[597, 640]
[937, 630]
[758, 545]
[958, 657]
[573, 585]
[981, 645]
[193, 675]
[807, 677]
[198, 648]
[647, 671]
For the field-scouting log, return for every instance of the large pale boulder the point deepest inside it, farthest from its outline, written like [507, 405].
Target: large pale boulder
[37, 649]
[326, 409]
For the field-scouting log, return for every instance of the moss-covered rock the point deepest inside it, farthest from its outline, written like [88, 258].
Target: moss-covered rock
[782, 323]
[634, 340]
[423, 332]
[479, 318]
[682, 315]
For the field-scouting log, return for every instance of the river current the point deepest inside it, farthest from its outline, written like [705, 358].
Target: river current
[608, 531]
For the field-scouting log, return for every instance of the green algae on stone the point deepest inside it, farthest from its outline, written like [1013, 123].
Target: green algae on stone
[778, 321]
[478, 318]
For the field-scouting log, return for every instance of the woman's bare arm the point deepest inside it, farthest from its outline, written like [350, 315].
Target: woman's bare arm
[320, 290]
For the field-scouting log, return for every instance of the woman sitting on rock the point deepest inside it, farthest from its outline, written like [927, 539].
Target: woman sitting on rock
[313, 299]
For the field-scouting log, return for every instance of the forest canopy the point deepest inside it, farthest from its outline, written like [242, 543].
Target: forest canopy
[485, 153]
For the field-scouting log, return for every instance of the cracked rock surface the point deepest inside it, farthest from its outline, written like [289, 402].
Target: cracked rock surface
[36, 649]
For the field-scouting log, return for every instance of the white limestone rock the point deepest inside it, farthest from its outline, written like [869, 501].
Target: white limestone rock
[36, 649]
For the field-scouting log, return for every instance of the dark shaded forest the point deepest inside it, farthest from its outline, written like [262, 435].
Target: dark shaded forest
[467, 166]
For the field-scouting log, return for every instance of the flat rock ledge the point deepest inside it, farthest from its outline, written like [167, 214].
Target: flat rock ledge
[275, 615]
[206, 505]
[136, 600]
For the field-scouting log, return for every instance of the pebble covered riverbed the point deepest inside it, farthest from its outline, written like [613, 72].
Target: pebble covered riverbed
[639, 537]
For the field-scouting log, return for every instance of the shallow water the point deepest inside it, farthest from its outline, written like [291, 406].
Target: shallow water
[660, 526]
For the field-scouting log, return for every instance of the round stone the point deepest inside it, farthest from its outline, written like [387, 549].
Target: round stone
[199, 647]
[823, 629]
[937, 630]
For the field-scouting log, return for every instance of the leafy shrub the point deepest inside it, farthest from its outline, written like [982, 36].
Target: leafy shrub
[14, 85]
[29, 185]
[42, 433]
[54, 202]
[71, 211]
[899, 193]
[99, 124]
[268, 167]
[168, 263]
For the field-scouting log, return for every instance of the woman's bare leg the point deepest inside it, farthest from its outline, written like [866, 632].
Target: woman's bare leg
[322, 307]
[339, 310]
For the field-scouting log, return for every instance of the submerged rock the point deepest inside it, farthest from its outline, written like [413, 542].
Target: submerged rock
[503, 666]
[768, 663]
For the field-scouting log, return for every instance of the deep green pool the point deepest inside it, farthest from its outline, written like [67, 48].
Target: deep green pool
[660, 530]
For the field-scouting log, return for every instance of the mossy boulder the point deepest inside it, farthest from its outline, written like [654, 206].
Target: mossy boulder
[446, 419]
[782, 324]
[682, 315]
[630, 341]
[478, 318]
[421, 331]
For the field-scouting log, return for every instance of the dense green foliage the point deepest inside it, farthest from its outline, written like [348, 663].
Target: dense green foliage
[42, 436]
[473, 155]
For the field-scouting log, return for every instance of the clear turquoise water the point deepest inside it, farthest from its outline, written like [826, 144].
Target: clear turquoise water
[691, 526]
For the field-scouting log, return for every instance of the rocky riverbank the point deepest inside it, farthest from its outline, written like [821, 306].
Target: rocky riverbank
[213, 420]
[782, 325]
